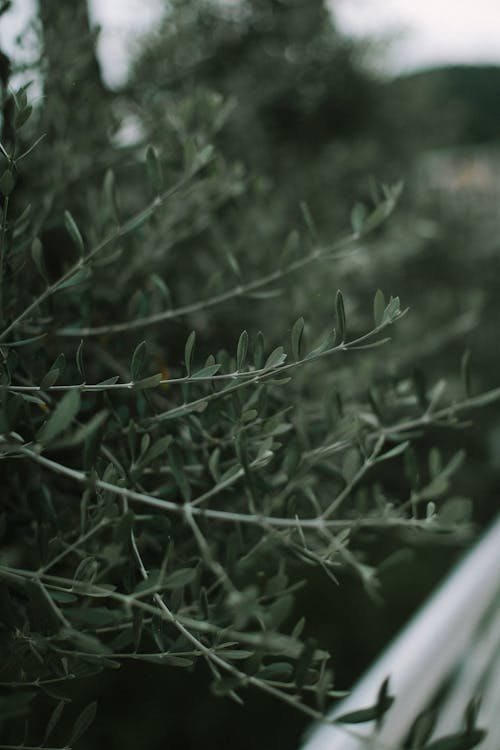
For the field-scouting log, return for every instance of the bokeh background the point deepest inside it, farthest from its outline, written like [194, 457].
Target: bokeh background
[321, 102]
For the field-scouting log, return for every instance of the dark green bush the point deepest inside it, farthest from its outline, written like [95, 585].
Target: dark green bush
[167, 476]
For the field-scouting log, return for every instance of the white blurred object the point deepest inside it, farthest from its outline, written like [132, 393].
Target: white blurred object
[456, 634]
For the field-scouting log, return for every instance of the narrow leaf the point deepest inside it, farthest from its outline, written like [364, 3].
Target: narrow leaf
[241, 351]
[85, 430]
[366, 714]
[151, 382]
[78, 277]
[38, 259]
[188, 351]
[207, 372]
[54, 720]
[154, 169]
[378, 307]
[7, 182]
[79, 360]
[83, 722]
[341, 321]
[179, 578]
[358, 216]
[297, 333]
[138, 358]
[304, 662]
[73, 231]
[396, 451]
[276, 358]
[62, 416]
[109, 189]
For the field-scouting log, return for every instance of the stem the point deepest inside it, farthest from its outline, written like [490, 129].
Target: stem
[237, 291]
[249, 376]
[367, 464]
[118, 233]
[219, 515]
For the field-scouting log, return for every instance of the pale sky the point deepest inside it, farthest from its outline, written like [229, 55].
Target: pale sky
[418, 33]
[431, 32]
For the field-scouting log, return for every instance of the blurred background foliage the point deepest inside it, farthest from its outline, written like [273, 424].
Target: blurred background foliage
[303, 129]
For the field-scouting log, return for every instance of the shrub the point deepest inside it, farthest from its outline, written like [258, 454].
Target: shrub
[162, 498]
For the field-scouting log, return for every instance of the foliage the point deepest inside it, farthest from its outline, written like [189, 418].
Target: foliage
[163, 486]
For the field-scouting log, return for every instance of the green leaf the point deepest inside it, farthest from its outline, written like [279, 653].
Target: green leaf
[351, 464]
[258, 351]
[298, 627]
[280, 671]
[138, 358]
[207, 372]
[423, 727]
[38, 258]
[60, 419]
[159, 447]
[86, 570]
[358, 216]
[241, 351]
[31, 399]
[359, 717]
[291, 249]
[304, 662]
[233, 264]
[109, 188]
[23, 342]
[22, 116]
[235, 653]
[52, 375]
[366, 714]
[79, 360]
[377, 216]
[378, 307]
[138, 221]
[53, 721]
[110, 381]
[213, 464]
[465, 370]
[176, 462]
[84, 431]
[384, 700]
[179, 578]
[461, 741]
[153, 581]
[154, 169]
[82, 723]
[275, 359]
[188, 351]
[435, 462]
[393, 452]
[309, 221]
[341, 321]
[328, 342]
[153, 381]
[297, 333]
[7, 182]
[78, 276]
[74, 232]
[471, 713]
[168, 660]
[392, 310]
[202, 158]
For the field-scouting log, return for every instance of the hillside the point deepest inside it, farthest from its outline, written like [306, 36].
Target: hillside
[450, 106]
